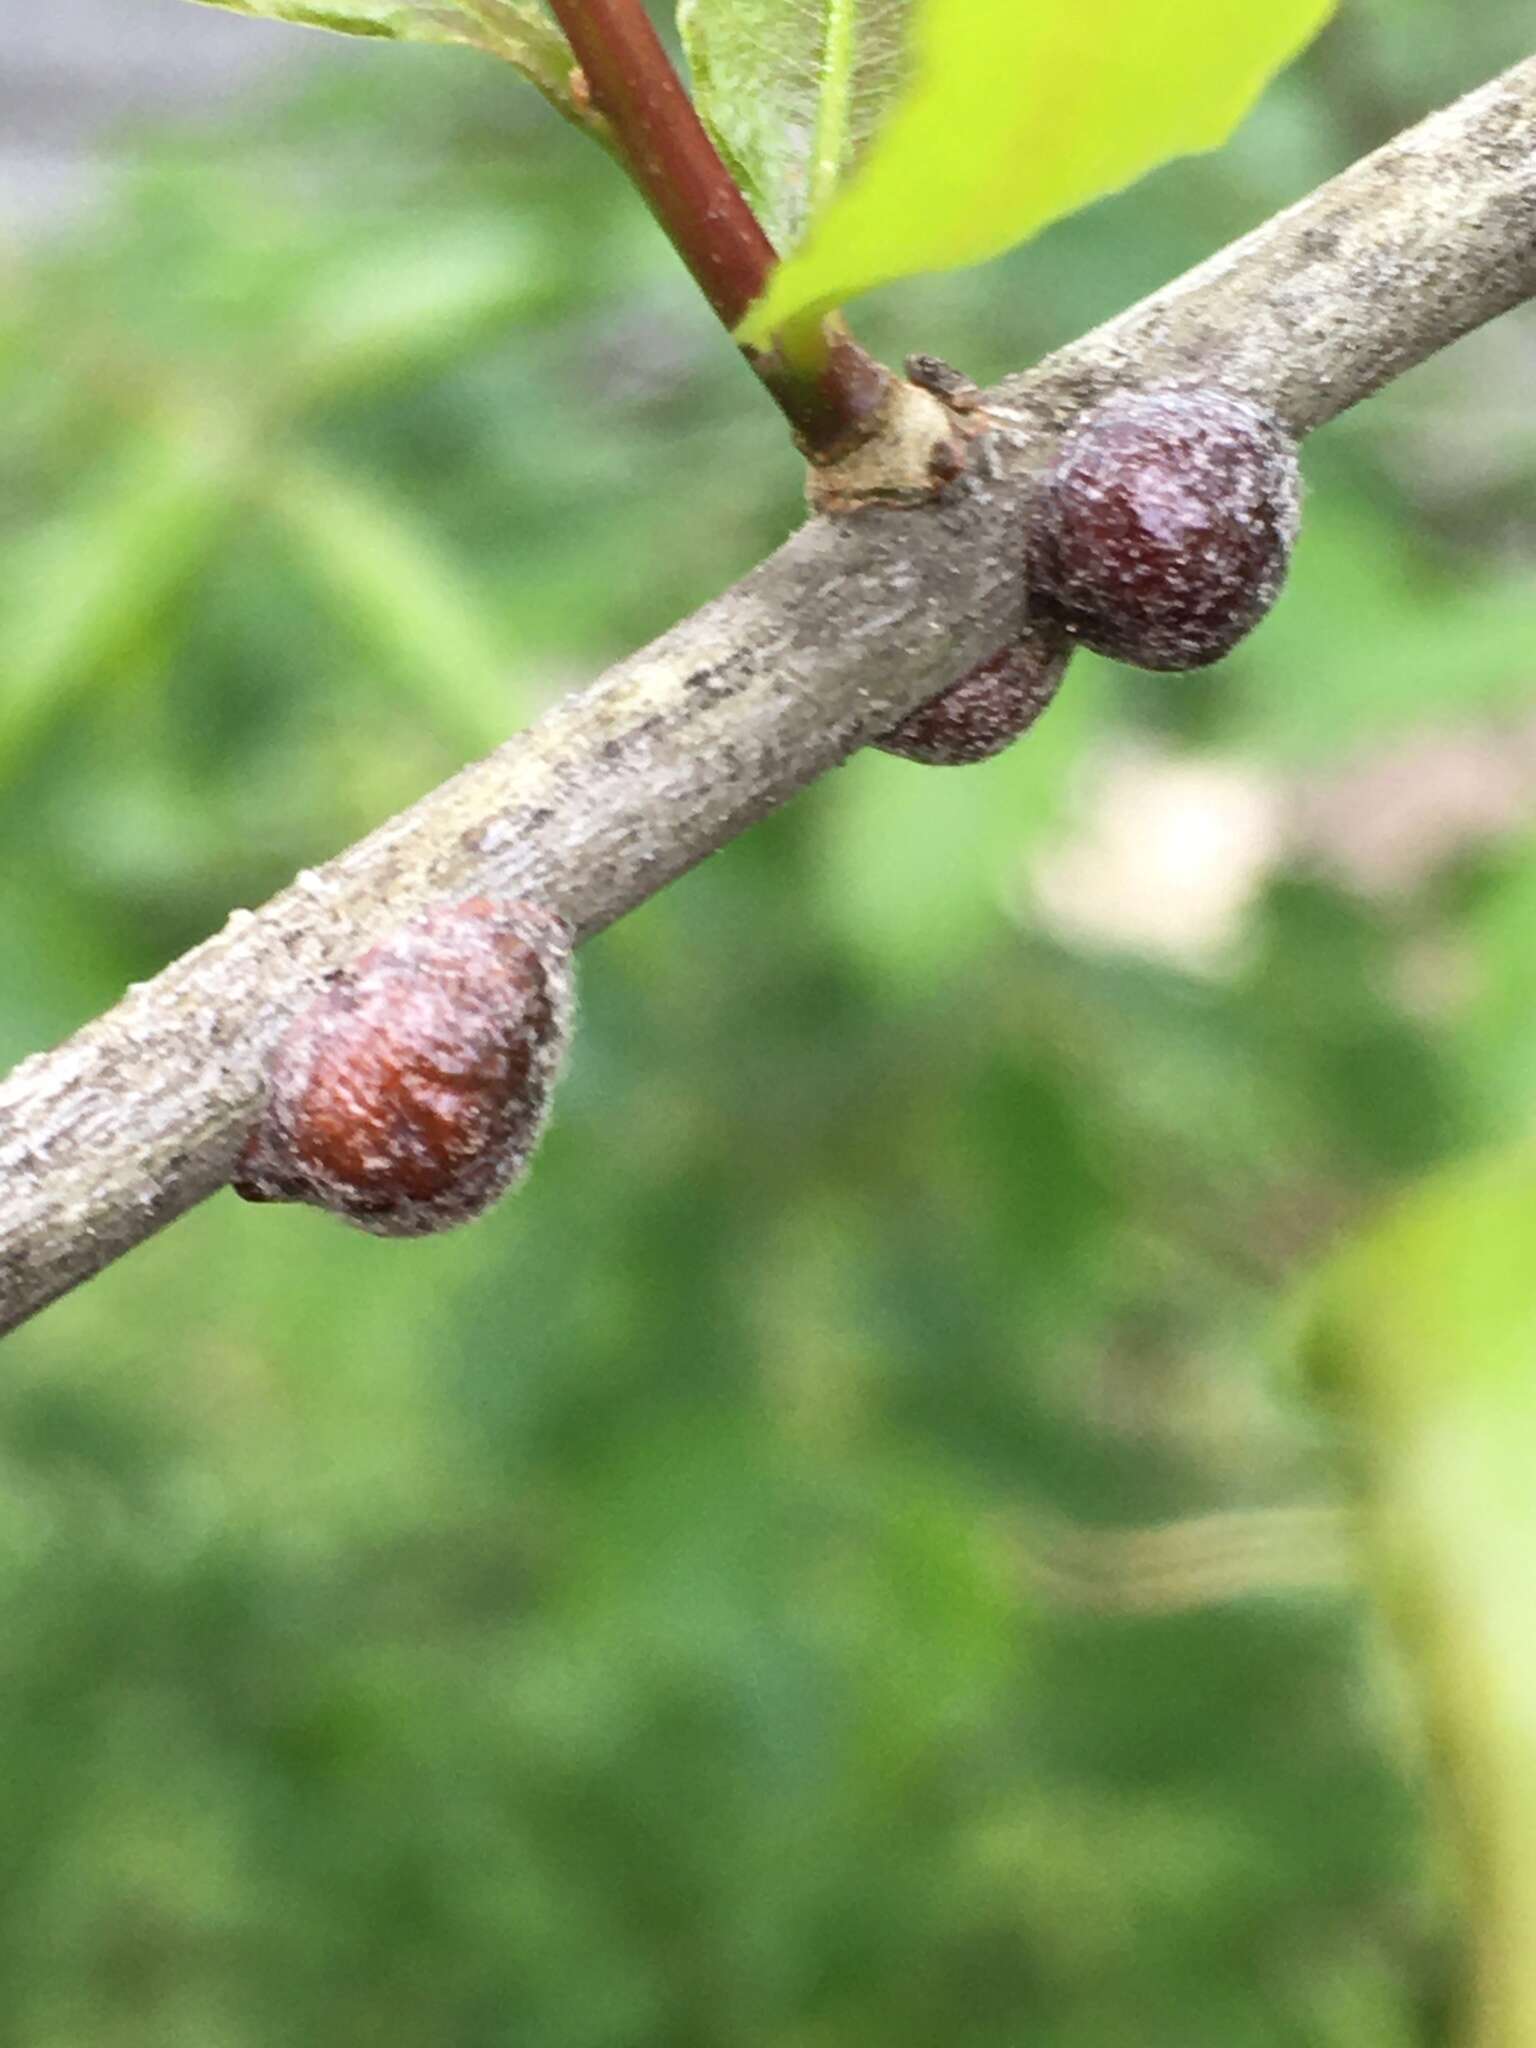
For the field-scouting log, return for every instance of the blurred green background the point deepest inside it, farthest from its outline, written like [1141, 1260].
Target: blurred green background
[836, 1560]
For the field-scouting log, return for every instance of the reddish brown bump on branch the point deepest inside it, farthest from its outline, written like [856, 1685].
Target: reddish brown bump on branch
[1166, 525]
[990, 706]
[411, 1093]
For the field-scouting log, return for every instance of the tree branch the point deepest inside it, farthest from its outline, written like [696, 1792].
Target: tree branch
[848, 627]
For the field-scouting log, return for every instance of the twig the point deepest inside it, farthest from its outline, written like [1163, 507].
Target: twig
[829, 390]
[848, 627]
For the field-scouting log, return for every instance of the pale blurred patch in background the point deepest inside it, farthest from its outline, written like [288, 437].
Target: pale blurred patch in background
[80, 74]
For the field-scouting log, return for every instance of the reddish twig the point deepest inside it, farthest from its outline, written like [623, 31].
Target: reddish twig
[830, 391]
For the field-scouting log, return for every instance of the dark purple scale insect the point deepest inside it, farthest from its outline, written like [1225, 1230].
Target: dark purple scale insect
[411, 1093]
[988, 708]
[1166, 525]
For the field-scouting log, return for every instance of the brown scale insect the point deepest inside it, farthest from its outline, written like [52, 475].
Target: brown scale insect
[988, 708]
[412, 1092]
[1166, 525]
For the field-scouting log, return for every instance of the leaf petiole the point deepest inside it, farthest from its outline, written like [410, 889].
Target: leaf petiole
[830, 391]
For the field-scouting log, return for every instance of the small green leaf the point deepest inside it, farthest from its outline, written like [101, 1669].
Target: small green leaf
[514, 30]
[1019, 113]
[350, 18]
[793, 93]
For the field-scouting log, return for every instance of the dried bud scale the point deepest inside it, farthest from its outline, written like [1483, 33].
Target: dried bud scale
[1166, 525]
[411, 1093]
[932, 373]
[988, 708]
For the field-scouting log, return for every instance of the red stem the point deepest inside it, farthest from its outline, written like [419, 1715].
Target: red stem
[672, 159]
[831, 400]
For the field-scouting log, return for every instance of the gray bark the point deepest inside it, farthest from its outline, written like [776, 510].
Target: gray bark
[847, 627]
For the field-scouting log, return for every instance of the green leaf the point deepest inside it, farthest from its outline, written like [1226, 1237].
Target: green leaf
[521, 34]
[793, 93]
[1019, 113]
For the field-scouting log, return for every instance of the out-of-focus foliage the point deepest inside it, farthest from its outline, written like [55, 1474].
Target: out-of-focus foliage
[686, 1610]
[1423, 1329]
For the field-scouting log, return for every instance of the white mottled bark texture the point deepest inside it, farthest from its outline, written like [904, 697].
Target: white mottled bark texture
[849, 626]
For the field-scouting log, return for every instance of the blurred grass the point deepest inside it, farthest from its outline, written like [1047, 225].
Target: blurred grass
[616, 1625]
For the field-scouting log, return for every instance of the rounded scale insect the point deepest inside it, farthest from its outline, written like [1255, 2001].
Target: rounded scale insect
[1166, 524]
[988, 708]
[412, 1091]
